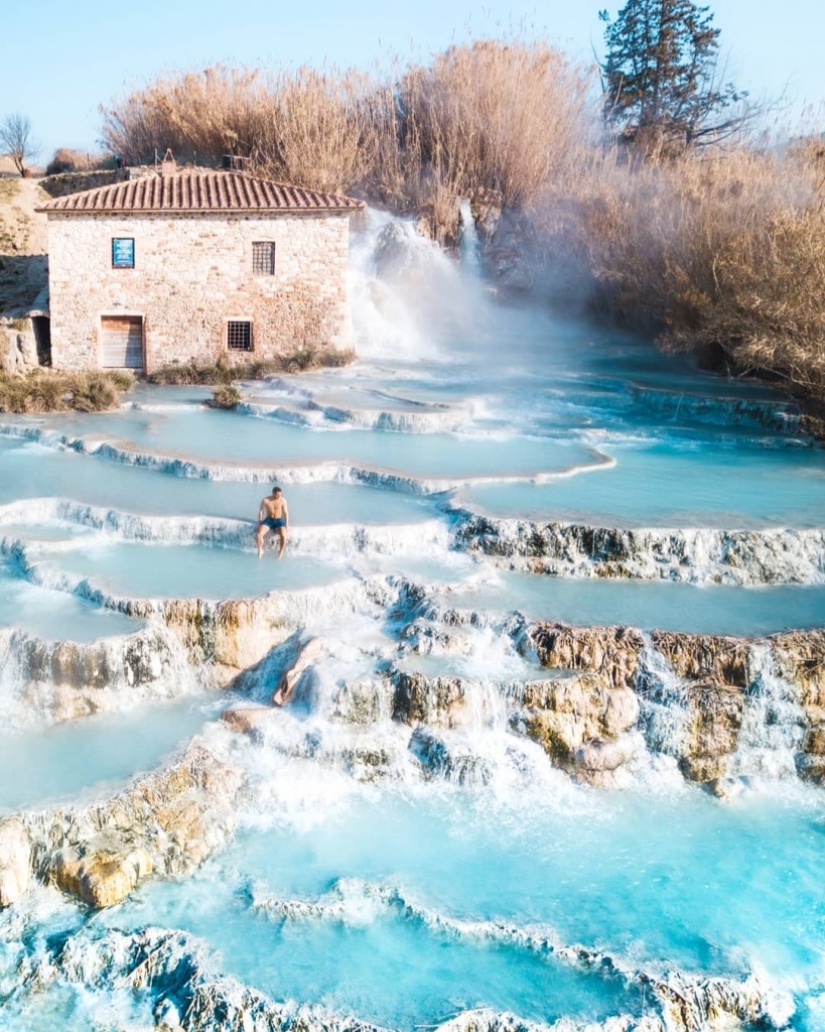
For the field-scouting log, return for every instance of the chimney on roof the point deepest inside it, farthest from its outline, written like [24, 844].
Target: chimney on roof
[168, 167]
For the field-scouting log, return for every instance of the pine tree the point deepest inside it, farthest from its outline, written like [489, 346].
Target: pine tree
[660, 77]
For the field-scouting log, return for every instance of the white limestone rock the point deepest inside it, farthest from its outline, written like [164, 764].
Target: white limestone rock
[15, 861]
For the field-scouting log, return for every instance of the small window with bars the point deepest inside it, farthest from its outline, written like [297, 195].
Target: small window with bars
[263, 258]
[239, 335]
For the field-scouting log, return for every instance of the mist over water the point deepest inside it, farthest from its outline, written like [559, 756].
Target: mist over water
[410, 300]
[452, 814]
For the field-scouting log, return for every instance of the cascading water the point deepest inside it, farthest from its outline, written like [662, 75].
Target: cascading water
[664, 712]
[773, 723]
[470, 244]
[409, 298]
[441, 765]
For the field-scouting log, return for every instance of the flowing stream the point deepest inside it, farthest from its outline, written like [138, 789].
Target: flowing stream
[556, 758]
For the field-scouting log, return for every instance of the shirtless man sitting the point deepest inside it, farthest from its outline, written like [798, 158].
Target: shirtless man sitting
[273, 515]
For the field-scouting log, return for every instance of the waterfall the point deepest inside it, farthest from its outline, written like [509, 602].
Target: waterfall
[409, 299]
[469, 243]
[663, 705]
[773, 723]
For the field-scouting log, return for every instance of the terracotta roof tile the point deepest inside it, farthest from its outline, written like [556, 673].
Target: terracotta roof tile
[199, 191]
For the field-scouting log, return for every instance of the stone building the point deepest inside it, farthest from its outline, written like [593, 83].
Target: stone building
[195, 265]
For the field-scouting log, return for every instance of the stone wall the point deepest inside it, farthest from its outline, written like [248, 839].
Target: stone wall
[18, 348]
[193, 273]
[63, 183]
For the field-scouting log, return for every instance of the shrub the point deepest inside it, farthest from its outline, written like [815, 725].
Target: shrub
[719, 254]
[488, 115]
[122, 380]
[65, 159]
[306, 127]
[175, 375]
[42, 391]
[221, 374]
[317, 131]
[334, 359]
[767, 312]
[300, 361]
[94, 392]
[225, 397]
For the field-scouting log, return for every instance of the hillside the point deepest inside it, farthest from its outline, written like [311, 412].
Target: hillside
[23, 244]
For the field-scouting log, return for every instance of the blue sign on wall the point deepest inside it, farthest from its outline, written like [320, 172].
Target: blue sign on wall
[123, 253]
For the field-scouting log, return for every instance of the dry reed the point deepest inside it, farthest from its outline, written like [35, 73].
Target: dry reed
[487, 116]
[42, 391]
[722, 251]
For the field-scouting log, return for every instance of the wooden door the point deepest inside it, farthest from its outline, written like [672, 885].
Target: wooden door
[121, 342]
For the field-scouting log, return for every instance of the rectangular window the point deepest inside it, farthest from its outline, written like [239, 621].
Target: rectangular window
[263, 258]
[239, 335]
[123, 252]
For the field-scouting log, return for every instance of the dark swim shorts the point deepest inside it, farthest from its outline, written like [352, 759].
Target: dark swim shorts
[273, 524]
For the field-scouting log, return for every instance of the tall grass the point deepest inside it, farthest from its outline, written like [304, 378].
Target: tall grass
[489, 118]
[486, 116]
[722, 251]
[307, 127]
[46, 391]
[722, 254]
[199, 115]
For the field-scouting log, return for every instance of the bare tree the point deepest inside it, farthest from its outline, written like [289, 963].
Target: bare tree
[17, 142]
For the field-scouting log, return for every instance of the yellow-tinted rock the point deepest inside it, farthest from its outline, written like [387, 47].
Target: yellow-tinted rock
[610, 651]
[101, 876]
[575, 711]
[167, 822]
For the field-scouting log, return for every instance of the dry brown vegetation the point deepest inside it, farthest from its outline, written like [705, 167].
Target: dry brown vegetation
[43, 391]
[226, 373]
[307, 127]
[492, 119]
[65, 159]
[227, 396]
[722, 251]
[485, 116]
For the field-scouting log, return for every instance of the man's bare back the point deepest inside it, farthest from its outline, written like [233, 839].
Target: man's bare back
[273, 514]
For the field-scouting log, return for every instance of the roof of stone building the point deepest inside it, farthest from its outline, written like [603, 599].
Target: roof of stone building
[198, 191]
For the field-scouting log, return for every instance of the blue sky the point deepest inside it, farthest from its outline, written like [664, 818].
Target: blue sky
[62, 58]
